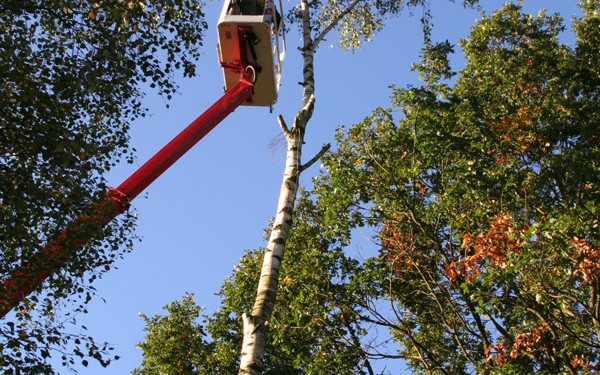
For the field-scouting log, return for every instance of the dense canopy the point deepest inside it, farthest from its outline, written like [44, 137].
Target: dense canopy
[481, 189]
[72, 75]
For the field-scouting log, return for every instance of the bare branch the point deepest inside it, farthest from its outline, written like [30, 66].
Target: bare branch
[284, 126]
[306, 165]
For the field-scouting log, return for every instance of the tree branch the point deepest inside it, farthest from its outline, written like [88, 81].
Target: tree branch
[358, 346]
[333, 24]
[307, 165]
[284, 127]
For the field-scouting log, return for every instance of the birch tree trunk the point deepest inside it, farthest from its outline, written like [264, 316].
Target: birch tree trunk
[256, 324]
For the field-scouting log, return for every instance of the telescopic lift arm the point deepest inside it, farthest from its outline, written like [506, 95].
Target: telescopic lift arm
[48, 260]
[233, 57]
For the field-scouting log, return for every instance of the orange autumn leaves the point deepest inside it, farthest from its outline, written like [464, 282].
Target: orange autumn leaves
[535, 343]
[529, 343]
[502, 239]
[490, 248]
[587, 260]
[505, 249]
[398, 249]
[494, 245]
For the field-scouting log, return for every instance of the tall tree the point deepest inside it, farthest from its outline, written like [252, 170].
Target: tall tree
[356, 22]
[308, 332]
[484, 197]
[72, 76]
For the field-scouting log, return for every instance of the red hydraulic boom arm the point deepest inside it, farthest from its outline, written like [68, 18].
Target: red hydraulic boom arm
[50, 258]
[240, 36]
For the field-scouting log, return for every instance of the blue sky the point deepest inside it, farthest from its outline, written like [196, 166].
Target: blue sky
[197, 219]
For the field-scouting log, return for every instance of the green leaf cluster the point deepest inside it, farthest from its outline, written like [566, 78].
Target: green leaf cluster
[72, 75]
[358, 21]
[313, 330]
[484, 199]
[175, 343]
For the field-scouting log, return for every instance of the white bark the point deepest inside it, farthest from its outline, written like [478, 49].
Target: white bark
[256, 324]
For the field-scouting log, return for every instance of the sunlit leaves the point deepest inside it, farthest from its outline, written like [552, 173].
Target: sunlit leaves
[175, 343]
[494, 247]
[484, 198]
[358, 21]
[313, 328]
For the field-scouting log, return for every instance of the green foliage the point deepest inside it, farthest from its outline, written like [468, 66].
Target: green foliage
[483, 194]
[484, 197]
[71, 75]
[175, 343]
[313, 330]
[358, 21]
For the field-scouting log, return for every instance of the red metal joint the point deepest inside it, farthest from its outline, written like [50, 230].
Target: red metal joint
[118, 198]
